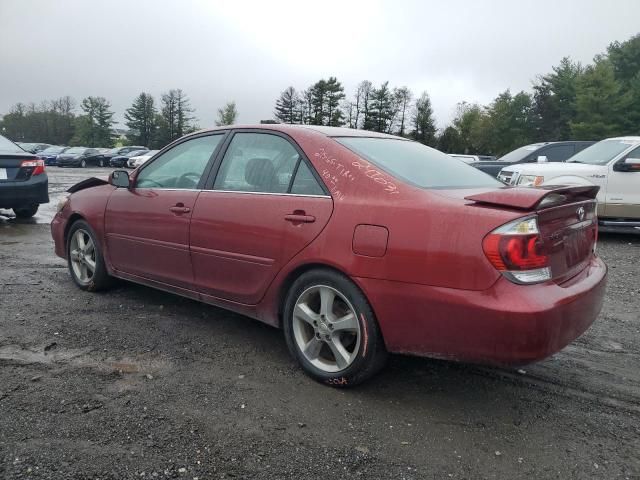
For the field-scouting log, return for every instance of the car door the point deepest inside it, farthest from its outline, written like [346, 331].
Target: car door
[263, 205]
[623, 190]
[147, 225]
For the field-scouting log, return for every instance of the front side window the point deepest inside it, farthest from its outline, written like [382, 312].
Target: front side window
[182, 166]
[417, 164]
[257, 162]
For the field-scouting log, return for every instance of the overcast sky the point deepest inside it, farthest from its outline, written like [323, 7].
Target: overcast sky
[249, 51]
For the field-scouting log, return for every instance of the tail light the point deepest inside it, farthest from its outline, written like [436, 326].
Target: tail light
[37, 165]
[516, 250]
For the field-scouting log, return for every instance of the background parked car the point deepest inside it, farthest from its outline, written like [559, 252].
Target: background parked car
[472, 158]
[114, 152]
[121, 160]
[612, 164]
[553, 151]
[50, 154]
[136, 161]
[23, 181]
[80, 157]
[33, 147]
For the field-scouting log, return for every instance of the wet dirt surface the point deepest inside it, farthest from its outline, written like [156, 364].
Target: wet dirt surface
[136, 383]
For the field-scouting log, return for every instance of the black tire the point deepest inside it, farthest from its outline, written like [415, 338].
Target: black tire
[100, 279]
[83, 164]
[26, 212]
[371, 353]
[101, 162]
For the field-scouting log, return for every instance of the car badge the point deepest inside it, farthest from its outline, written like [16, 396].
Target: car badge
[580, 213]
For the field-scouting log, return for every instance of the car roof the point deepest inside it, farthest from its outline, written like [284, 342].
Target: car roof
[324, 130]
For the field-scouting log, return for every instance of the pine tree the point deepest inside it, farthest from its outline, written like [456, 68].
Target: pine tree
[382, 108]
[287, 106]
[141, 120]
[93, 129]
[333, 97]
[176, 113]
[600, 103]
[227, 115]
[318, 92]
[555, 101]
[403, 97]
[424, 125]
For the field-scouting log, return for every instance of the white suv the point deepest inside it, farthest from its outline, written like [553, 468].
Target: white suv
[612, 164]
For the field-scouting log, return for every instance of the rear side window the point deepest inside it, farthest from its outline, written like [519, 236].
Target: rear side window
[305, 183]
[257, 162]
[418, 164]
[557, 153]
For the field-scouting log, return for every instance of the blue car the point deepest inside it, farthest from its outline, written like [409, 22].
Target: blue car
[50, 154]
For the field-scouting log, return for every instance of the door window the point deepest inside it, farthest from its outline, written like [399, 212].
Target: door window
[257, 162]
[182, 166]
[305, 183]
[557, 153]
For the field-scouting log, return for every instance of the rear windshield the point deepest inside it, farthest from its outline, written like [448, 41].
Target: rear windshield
[520, 153]
[8, 146]
[417, 164]
[602, 152]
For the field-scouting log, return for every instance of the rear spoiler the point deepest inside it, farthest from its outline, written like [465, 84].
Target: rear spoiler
[88, 183]
[533, 198]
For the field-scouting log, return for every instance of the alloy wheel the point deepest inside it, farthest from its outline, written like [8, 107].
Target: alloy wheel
[326, 328]
[82, 253]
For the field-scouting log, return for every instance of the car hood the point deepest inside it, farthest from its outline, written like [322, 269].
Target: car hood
[69, 156]
[88, 183]
[559, 168]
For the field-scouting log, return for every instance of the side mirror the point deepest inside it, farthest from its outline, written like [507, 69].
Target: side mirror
[628, 165]
[119, 178]
[543, 159]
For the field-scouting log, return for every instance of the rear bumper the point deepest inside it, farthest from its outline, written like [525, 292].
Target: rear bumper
[506, 324]
[28, 192]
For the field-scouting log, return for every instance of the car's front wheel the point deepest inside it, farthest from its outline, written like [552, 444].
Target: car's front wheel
[84, 256]
[26, 212]
[83, 163]
[101, 162]
[331, 330]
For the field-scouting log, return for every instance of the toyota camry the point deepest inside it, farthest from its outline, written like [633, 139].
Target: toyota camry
[354, 243]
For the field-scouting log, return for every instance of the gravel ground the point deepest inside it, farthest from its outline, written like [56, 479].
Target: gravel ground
[136, 383]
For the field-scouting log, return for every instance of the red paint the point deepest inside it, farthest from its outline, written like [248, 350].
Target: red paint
[433, 290]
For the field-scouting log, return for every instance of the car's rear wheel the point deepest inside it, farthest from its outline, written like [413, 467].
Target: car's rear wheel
[331, 330]
[26, 212]
[84, 256]
[101, 162]
[83, 163]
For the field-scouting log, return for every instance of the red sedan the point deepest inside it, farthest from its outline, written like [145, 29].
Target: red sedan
[354, 243]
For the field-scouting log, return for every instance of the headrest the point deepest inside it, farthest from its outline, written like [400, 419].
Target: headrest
[260, 172]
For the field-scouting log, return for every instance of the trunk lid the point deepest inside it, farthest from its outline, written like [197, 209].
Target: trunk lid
[10, 170]
[566, 217]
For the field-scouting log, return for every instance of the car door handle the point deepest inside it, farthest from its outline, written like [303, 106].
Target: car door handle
[179, 209]
[299, 218]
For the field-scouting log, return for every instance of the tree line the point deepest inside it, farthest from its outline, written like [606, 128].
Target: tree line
[149, 124]
[572, 102]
